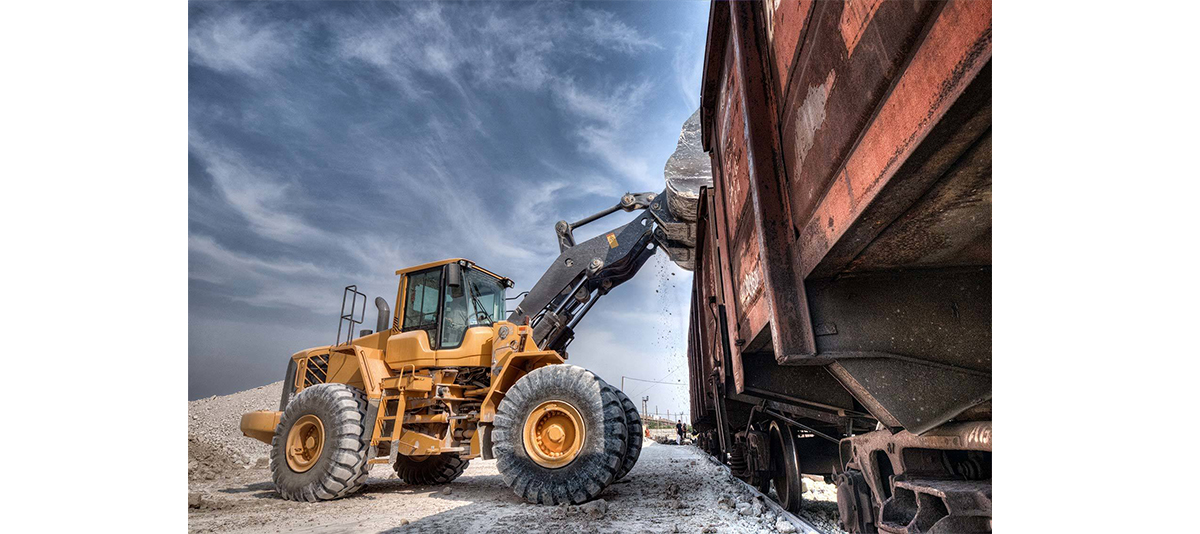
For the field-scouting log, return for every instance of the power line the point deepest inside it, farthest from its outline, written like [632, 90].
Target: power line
[669, 373]
[623, 378]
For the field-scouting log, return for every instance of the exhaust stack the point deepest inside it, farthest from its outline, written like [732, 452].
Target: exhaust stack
[385, 315]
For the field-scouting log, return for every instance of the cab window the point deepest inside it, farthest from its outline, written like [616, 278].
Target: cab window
[455, 318]
[489, 298]
[421, 302]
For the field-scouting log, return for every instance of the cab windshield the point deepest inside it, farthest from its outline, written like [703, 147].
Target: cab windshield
[489, 297]
[479, 303]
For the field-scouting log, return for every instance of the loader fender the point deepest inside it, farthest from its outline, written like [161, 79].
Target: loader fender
[260, 425]
[512, 367]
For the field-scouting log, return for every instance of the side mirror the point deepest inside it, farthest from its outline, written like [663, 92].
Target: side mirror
[454, 279]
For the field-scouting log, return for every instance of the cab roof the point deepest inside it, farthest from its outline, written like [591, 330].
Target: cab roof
[439, 263]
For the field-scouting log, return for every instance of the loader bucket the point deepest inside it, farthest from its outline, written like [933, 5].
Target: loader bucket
[687, 170]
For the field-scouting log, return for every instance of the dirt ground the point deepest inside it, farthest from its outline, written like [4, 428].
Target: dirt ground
[672, 489]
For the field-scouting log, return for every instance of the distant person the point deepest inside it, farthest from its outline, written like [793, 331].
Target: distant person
[679, 431]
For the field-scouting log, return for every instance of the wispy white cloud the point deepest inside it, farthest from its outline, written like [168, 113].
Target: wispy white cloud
[244, 263]
[266, 200]
[687, 65]
[527, 49]
[238, 42]
[264, 282]
[607, 117]
[605, 29]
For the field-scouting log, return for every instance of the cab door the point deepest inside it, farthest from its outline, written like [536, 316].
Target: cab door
[420, 324]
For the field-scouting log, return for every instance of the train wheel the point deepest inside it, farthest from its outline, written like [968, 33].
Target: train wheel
[785, 467]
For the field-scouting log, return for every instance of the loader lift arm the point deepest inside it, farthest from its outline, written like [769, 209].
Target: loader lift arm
[586, 271]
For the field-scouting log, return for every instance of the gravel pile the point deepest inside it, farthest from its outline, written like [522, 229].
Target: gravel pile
[206, 462]
[214, 440]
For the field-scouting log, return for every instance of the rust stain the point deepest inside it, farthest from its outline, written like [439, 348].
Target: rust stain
[751, 287]
[856, 15]
[726, 99]
[811, 117]
[733, 146]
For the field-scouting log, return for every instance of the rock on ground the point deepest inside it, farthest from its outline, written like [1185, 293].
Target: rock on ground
[784, 526]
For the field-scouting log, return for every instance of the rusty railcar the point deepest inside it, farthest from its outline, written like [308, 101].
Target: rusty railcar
[841, 303]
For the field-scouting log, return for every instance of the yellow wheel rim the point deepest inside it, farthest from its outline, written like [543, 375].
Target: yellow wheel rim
[304, 443]
[554, 433]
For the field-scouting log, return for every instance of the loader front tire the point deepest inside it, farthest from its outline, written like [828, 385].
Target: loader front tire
[559, 435]
[633, 429]
[318, 452]
[429, 470]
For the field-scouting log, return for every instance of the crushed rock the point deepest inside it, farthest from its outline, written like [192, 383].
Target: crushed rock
[213, 422]
[207, 461]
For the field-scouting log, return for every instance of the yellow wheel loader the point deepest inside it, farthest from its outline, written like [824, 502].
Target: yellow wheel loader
[447, 377]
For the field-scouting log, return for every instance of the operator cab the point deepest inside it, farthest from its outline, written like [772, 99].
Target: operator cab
[447, 298]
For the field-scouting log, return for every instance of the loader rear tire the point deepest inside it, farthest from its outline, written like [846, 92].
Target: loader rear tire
[429, 470]
[585, 469]
[633, 429]
[327, 457]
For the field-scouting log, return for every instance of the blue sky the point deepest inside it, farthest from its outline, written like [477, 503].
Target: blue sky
[332, 143]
